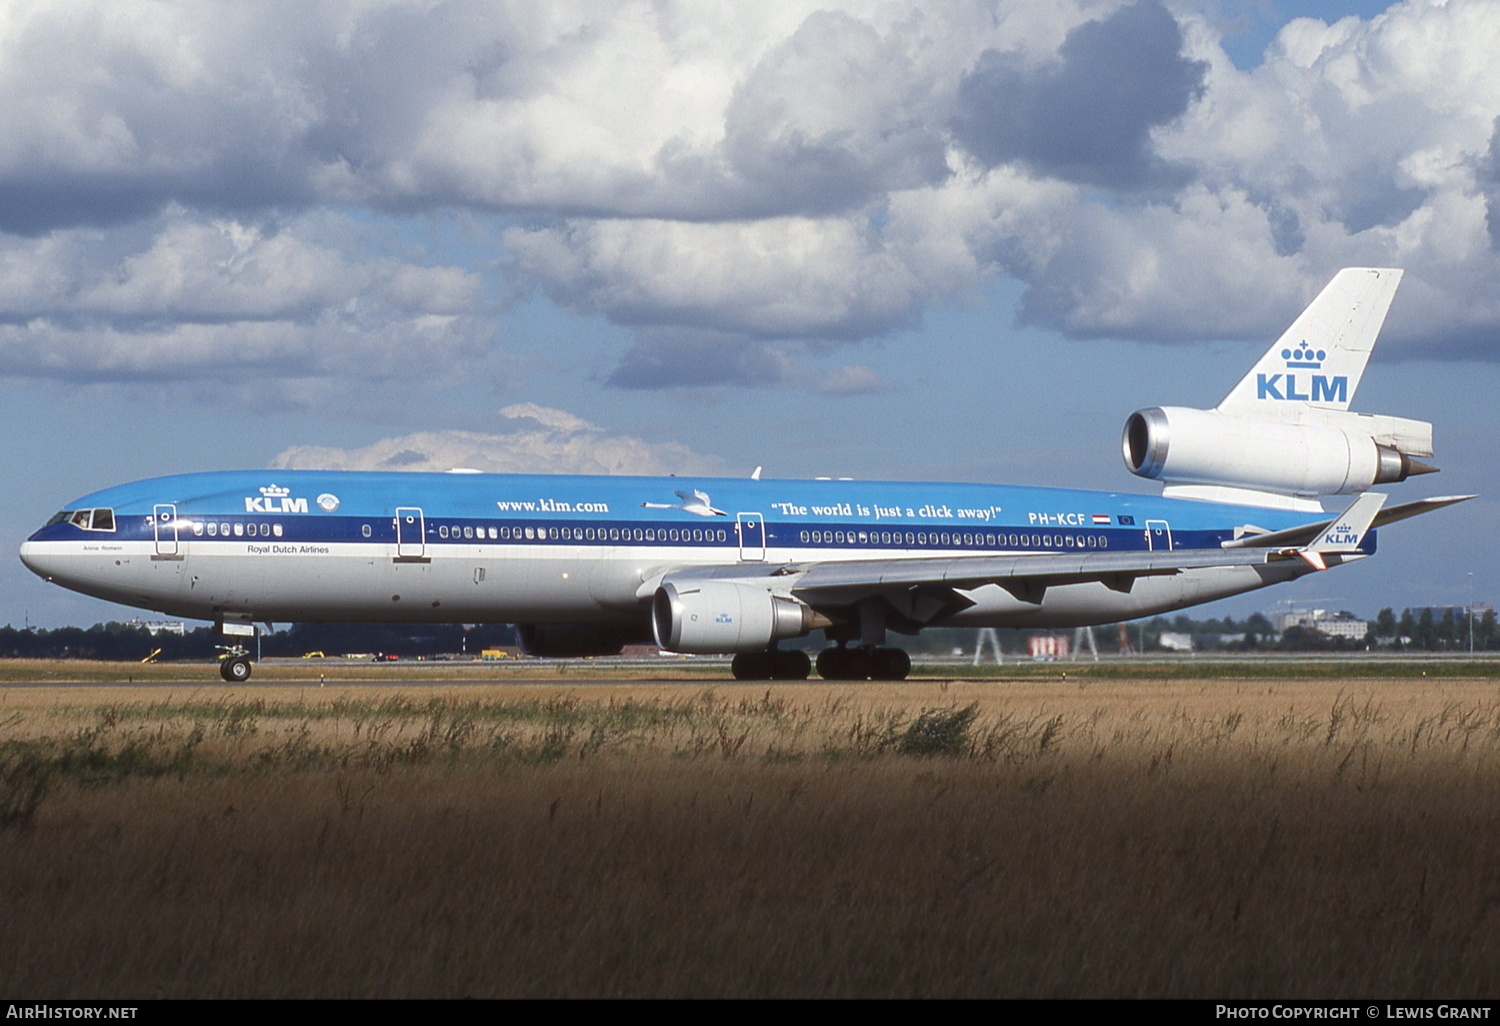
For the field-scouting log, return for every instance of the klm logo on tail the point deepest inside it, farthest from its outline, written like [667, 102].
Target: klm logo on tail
[1313, 387]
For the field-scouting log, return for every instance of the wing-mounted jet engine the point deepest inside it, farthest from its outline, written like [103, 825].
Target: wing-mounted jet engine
[1285, 435]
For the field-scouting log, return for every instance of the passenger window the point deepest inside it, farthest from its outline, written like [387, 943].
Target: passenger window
[493, 535]
[365, 530]
[239, 530]
[213, 530]
[276, 530]
[250, 530]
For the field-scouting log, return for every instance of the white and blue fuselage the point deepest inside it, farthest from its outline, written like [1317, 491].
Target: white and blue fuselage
[342, 546]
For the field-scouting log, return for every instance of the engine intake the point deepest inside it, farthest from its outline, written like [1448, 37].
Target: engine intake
[716, 617]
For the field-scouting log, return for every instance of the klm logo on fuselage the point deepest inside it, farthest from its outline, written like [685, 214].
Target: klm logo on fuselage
[274, 499]
[1295, 386]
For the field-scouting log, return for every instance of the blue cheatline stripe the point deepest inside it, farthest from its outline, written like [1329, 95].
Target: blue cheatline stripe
[449, 531]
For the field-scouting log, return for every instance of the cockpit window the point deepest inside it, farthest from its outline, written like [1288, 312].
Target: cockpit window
[87, 519]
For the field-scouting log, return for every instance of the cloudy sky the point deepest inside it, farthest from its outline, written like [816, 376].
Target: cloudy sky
[879, 239]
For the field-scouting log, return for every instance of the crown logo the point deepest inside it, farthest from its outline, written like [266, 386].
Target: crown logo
[1304, 356]
[275, 492]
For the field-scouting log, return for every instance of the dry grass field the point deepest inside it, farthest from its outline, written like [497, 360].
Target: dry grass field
[1094, 838]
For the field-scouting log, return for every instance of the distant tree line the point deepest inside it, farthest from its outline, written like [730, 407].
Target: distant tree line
[1448, 630]
[1416, 630]
[123, 641]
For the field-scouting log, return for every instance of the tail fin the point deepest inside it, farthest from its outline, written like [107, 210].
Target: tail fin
[1318, 361]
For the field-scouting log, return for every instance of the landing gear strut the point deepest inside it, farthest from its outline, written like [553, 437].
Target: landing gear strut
[866, 663]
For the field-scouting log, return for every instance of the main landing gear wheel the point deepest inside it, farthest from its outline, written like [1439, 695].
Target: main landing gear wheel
[236, 670]
[772, 665]
[863, 664]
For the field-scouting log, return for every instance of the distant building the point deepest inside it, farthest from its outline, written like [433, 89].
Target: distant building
[1333, 625]
[1173, 641]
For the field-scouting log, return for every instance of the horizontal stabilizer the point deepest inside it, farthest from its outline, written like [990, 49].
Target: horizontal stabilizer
[1304, 533]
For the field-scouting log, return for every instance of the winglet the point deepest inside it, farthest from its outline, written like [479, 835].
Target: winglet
[1345, 532]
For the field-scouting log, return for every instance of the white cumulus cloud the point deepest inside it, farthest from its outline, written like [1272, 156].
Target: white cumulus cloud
[536, 440]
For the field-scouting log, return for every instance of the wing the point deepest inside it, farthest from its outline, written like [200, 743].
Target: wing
[925, 587]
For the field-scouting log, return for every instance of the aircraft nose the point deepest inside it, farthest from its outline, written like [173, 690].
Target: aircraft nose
[36, 562]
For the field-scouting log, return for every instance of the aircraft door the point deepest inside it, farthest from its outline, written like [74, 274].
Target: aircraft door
[751, 528]
[1158, 536]
[164, 528]
[411, 533]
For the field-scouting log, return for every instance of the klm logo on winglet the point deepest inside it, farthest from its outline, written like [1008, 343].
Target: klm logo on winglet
[1311, 387]
[274, 499]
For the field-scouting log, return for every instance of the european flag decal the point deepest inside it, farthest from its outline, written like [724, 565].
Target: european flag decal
[1126, 521]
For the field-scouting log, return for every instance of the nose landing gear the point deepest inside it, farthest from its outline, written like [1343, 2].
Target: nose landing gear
[234, 664]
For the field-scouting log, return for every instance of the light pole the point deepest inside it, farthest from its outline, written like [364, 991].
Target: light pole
[1471, 612]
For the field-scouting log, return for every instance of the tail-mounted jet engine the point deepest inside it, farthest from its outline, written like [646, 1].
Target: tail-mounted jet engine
[1322, 452]
[711, 617]
[1285, 433]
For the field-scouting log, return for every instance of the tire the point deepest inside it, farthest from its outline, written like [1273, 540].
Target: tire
[844, 664]
[235, 671]
[751, 666]
[790, 665]
[890, 664]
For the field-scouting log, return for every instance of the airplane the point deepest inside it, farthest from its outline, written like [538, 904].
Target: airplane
[586, 565]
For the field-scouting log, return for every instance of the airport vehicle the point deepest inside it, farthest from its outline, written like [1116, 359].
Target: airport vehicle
[586, 565]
